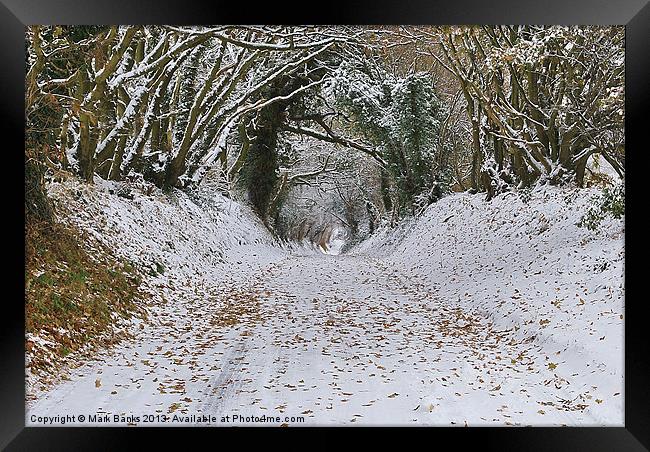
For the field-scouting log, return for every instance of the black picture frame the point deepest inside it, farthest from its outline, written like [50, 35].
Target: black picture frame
[634, 14]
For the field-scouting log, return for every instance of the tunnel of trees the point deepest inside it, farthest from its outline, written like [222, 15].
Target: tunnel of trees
[357, 124]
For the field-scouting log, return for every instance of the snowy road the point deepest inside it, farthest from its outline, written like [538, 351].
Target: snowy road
[332, 339]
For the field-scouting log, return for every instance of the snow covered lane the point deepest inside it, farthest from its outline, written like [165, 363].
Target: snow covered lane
[331, 339]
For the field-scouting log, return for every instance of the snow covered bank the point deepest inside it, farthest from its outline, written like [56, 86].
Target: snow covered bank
[173, 237]
[526, 267]
[186, 247]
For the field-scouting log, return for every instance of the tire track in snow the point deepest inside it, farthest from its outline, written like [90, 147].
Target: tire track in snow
[224, 384]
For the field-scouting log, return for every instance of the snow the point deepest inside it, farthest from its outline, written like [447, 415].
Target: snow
[554, 289]
[599, 165]
[475, 313]
[193, 242]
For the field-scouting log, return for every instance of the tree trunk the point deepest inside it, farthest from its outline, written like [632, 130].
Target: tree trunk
[84, 151]
[260, 167]
[385, 190]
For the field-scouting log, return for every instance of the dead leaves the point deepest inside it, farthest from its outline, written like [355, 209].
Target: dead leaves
[173, 407]
[362, 337]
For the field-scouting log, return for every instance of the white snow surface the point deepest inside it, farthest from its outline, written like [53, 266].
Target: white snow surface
[475, 313]
[551, 288]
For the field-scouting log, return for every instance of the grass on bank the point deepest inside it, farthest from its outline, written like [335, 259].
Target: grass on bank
[75, 291]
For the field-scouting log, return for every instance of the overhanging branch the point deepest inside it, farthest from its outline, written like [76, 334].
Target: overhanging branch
[330, 137]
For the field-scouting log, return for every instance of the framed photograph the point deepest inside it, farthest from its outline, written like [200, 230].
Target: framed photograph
[386, 215]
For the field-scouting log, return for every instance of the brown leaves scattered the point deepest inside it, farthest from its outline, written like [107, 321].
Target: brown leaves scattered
[173, 407]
